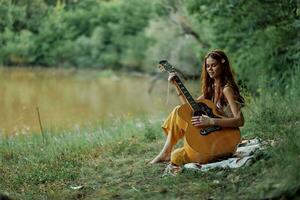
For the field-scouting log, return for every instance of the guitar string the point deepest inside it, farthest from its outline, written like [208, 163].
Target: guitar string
[168, 93]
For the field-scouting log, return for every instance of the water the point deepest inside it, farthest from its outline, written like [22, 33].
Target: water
[69, 99]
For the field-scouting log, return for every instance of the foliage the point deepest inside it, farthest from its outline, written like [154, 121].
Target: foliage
[260, 37]
[91, 33]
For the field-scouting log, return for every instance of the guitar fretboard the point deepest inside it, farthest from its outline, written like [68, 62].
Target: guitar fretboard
[195, 106]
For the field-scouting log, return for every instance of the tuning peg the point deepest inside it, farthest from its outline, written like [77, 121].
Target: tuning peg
[161, 67]
[162, 62]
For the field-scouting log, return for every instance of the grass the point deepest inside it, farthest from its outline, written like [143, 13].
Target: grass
[109, 162]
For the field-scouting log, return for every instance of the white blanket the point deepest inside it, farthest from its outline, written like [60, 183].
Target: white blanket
[244, 155]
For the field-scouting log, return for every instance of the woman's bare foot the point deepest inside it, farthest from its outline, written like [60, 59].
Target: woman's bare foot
[160, 158]
[165, 153]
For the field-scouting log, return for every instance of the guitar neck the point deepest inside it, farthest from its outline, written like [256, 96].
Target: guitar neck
[194, 105]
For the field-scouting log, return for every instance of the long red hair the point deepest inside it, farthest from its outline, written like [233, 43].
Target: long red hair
[227, 78]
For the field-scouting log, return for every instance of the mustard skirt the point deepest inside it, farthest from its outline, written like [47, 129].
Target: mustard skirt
[176, 126]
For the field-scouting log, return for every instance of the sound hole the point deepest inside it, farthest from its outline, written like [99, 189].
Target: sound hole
[205, 110]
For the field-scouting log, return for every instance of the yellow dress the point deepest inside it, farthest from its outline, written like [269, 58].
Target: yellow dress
[176, 126]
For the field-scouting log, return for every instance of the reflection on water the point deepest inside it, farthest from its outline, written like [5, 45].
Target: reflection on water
[72, 98]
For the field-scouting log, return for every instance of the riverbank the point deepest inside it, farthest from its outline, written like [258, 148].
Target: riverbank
[109, 162]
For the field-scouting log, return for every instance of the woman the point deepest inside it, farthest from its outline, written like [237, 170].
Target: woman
[218, 85]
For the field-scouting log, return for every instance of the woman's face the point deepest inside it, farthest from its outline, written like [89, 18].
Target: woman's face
[213, 68]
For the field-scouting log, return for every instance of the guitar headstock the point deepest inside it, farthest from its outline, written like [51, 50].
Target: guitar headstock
[164, 65]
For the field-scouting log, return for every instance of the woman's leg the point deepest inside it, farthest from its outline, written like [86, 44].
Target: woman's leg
[165, 153]
[174, 128]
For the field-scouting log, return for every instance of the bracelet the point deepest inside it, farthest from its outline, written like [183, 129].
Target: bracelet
[212, 121]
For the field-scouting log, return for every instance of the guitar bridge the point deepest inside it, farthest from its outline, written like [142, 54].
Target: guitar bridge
[210, 129]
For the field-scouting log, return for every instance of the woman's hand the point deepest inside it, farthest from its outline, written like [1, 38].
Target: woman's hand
[203, 120]
[171, 77]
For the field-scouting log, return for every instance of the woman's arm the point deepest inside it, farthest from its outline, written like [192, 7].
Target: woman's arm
[178, 91]
[180, 95]
[201, 97]
[236, 121]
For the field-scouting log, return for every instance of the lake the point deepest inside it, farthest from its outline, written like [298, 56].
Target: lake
[72, 99]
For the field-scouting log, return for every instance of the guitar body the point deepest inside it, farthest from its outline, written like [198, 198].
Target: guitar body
[204, 148]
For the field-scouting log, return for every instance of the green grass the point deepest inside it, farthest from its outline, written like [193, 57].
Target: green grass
[110, 161]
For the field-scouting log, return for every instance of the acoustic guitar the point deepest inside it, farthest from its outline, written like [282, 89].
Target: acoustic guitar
[204, 144]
